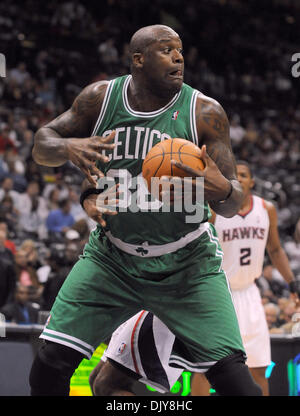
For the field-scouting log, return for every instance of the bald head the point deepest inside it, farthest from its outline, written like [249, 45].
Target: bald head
[157, 64]
[149, 34]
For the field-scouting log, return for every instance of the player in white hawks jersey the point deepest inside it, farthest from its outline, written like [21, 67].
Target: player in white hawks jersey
[243, 239]
[140, 348]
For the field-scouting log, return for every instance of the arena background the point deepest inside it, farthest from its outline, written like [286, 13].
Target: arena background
[238, 52]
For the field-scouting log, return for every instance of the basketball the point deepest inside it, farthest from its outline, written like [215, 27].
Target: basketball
[158, 160]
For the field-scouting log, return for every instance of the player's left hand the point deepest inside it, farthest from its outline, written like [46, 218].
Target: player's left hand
[216, 186]
[105, 203]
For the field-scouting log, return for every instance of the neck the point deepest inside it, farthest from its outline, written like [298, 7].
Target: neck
[143, 98]
[246, 202]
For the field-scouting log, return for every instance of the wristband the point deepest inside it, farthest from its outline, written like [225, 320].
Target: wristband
[88, 192]
[294, 287]
[228, 196]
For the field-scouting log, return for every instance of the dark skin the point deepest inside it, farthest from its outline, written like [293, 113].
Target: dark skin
[75, 127]
[157, 75]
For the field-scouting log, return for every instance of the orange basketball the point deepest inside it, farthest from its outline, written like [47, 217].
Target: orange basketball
[158, 160]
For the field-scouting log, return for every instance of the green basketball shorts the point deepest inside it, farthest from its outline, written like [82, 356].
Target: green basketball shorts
[186, 289]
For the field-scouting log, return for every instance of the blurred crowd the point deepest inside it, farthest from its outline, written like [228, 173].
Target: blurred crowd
[55, 48]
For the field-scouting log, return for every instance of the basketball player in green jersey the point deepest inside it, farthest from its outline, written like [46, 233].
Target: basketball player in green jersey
[145, 259]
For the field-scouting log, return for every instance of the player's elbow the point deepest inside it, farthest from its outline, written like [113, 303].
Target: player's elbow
[228, 209]
[36, 156]
[274, 251]
[37, 150]
[48, 150]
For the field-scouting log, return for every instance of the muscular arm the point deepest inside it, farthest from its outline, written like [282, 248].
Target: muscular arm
[213, 131]
[77, 122]
[277, 254]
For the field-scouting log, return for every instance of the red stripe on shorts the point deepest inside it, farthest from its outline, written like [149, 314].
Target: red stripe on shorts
[132, 340]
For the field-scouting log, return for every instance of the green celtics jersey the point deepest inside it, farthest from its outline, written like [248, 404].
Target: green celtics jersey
[141, 218]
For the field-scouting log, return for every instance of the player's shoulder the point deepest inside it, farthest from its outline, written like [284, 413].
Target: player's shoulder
[95, 89]
[211, 118]
[267, 205]
[208, 104]
[89, 101]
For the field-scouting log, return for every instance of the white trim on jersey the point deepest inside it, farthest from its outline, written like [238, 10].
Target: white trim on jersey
[215, 240]
[142, 113]
[200, 367]
[193, 117]
[104, 106]
[68, 340]
[146, 250]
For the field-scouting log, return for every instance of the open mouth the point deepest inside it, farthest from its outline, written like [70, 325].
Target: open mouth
[176, 74]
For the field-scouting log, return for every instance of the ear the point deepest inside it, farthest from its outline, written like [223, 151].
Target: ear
[138, 60]
[252, 183]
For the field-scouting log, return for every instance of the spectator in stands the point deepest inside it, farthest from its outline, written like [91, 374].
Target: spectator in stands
[27, 143]
[19, 74]
[271, 283]
[20, 126]
[58, 183]
[292, 247]
[282, 303]
[4, 171]
[9, 214]
[237, 132]
[297, 232]
[27, 276]
[109, 56]
[272, 315]
[5, 141]
[33, 173]
[16, 169]
[81, 227]
[7, 271]
[60, 263]
[60, 220]
[53, 199]
[46, 92]
[286, 323]
[7, 243]
[33, 209]
[21, 310]
[76, 209]
[29, 247]
[288, 312]
[7, 189]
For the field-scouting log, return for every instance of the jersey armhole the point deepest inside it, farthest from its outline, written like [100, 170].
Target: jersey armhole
[264, 204]
[193, 118]
[104, 106]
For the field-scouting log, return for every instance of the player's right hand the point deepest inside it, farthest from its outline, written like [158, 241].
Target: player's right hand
[85, 152]
[103, 204]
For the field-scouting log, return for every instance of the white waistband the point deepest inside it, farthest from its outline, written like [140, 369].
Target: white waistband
[146, 250]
